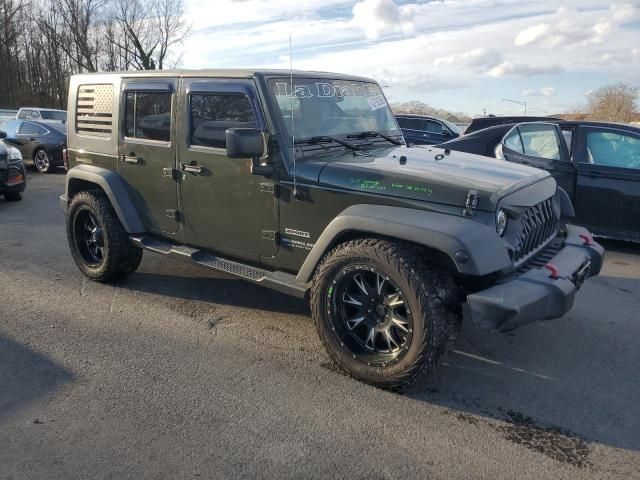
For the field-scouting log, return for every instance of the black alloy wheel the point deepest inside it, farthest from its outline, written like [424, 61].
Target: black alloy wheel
[42, 161]
[371, 315]
[89, 237]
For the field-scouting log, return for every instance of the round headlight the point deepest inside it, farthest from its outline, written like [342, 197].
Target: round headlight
[501, 222]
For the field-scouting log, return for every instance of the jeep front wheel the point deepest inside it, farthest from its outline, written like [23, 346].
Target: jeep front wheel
[99, 244]
[384, 311]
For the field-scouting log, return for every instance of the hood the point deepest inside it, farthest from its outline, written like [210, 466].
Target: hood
[430, 174]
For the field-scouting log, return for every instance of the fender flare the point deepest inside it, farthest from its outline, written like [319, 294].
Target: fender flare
[113, 186]
[449, 234]
[566, 207]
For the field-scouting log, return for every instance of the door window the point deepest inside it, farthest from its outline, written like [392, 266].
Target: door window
[413, 124]
[568, 138]
[613, 149]
[212, 114]
[28, 128]
[513, 141]
[433, 127]
[148, 115]
[540, 141]
[402, 122]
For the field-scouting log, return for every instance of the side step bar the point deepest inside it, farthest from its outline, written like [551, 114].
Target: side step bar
[280, 281]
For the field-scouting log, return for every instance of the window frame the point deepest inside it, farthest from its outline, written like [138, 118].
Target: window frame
[563, 151]
[25, 122]
[165, 88]
[210, 87]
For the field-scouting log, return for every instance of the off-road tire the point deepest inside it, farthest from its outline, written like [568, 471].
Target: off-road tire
[121, 258]
[13, 196]
[434, 298]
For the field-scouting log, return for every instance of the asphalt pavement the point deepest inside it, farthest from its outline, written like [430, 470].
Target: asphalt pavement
[180, 372]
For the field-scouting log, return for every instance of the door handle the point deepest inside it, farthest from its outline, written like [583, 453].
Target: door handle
[195, 169]
[130, 158]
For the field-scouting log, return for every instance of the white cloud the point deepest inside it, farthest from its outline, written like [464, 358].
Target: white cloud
[624, 13]
[519, 69]
[569, 27]
[420, 47]
[478, 58]
[381, 16]
[539, 92]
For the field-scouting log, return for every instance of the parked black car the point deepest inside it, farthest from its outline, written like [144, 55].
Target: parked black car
[481, 123]
[596, 163]
[424, 130]
[41, 143]
[13, 180]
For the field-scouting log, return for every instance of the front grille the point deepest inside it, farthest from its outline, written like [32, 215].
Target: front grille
[541, 258]
[537, 225]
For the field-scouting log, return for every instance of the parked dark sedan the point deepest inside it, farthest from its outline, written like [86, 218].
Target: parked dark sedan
[424, 130]
[40, 142]
[597, 164]
[13, 180]
[481, 123]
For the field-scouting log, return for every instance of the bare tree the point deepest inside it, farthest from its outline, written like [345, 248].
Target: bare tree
[419, 108]
[613, 103]
[172, 27]
[148, 29]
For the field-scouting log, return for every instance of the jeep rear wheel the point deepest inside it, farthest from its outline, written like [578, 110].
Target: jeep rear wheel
[99, 244]
[384, 311]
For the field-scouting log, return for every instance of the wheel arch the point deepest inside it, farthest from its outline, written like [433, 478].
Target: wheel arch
[438, 232]
[89, 177]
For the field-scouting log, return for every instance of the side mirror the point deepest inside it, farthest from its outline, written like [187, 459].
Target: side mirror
[3, 134]
[244, 142]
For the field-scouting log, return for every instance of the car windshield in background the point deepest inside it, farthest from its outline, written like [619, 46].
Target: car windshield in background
[53, 115]
[336, 108]
[453, 127]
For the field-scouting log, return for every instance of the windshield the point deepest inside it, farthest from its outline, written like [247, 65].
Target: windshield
[335, 108]
[59, 115]
[452, 126]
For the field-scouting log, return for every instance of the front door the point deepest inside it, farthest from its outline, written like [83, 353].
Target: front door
[147, 153]
[608, 185]
[543, 146]
[224, 204]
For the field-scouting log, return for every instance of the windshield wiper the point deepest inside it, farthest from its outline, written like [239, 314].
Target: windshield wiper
[372, 133]
[325, 139]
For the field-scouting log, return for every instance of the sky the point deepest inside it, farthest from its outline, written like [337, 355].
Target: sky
[460, 55]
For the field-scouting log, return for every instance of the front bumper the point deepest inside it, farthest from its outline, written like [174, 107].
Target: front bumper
[535, 294]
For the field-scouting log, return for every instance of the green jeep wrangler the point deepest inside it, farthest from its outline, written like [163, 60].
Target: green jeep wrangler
[302, 182]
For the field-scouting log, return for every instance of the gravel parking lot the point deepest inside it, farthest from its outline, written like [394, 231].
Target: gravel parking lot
[179, 372]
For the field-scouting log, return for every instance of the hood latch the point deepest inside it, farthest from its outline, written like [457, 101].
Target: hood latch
[470, 204]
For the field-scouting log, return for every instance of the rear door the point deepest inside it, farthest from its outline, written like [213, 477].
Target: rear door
[225, 206]
[412, 130]
[541, 145]
[27, 139]
[608, 184]
[147, 151]
[435, 132]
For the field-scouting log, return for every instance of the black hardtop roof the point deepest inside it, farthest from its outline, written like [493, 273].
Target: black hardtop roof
[233, 73]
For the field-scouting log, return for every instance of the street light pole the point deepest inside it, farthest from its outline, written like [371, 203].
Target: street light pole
[524, 104]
